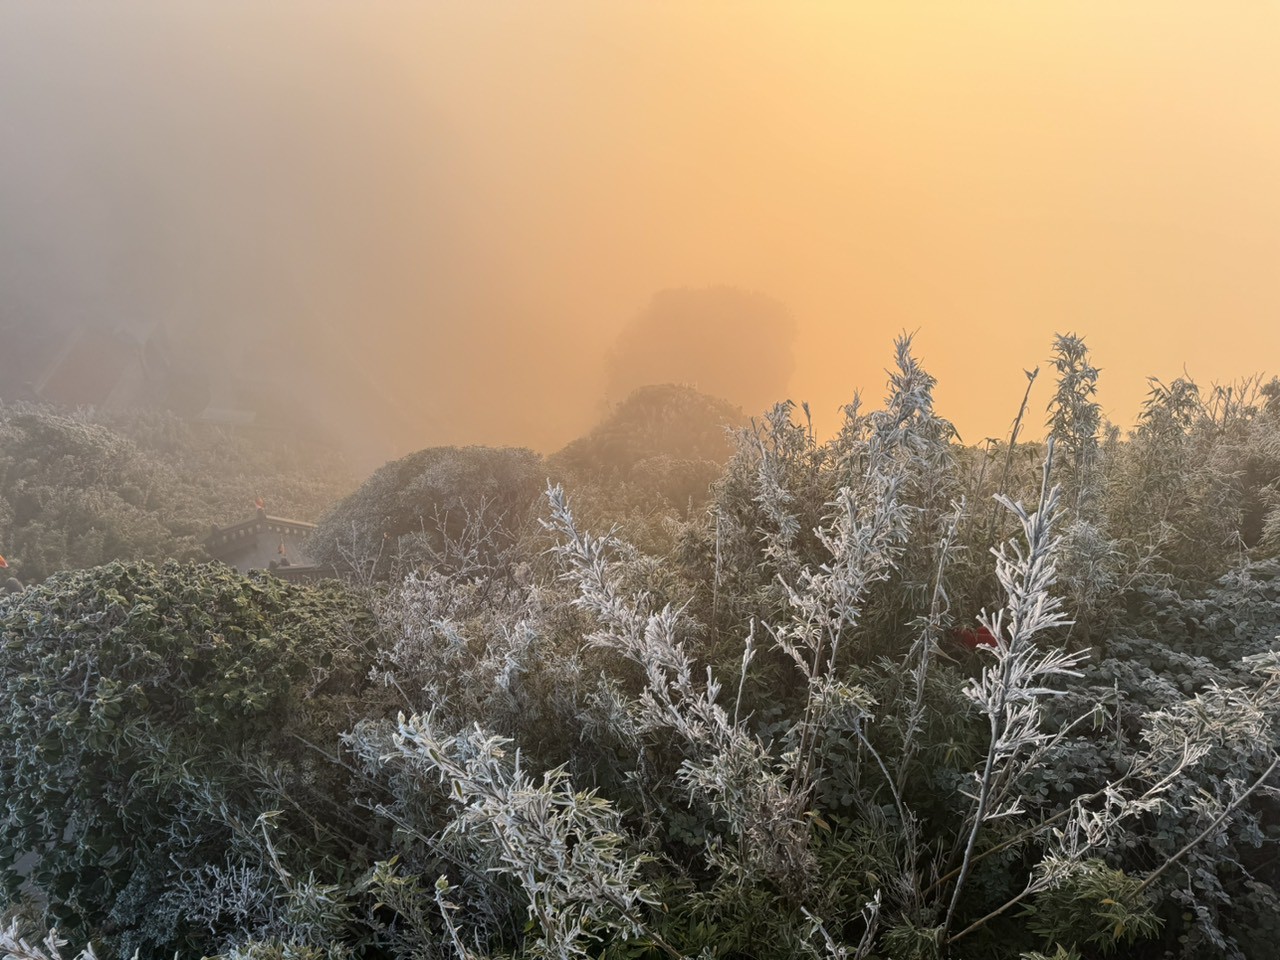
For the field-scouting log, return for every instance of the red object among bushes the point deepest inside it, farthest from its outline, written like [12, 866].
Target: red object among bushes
[974, 637]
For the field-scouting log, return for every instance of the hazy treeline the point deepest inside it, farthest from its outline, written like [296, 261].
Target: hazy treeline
[80, 488]
[341, 388]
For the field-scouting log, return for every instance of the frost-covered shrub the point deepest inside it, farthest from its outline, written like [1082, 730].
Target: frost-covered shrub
[1190, 655]
[444, 506]
[1171, 494]
[150, 718]
[660, 448]
[844, 712]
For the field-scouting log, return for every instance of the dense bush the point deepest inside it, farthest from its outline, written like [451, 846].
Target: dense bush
[663, 446]
[451, 506]
[151, 748]
[74, 493]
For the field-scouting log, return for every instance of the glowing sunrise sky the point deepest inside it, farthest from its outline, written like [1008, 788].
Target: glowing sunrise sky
[472, 198]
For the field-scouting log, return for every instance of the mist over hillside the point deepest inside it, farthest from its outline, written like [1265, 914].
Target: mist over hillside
[431, 223]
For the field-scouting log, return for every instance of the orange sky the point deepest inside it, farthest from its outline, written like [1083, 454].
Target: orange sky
[508, 183]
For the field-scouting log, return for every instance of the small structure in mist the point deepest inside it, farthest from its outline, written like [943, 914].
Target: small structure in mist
[264, 542]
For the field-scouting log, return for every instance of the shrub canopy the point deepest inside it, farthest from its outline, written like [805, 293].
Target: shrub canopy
[148, 717]
[416, 509]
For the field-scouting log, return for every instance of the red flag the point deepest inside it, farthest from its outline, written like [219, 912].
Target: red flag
[4, 564]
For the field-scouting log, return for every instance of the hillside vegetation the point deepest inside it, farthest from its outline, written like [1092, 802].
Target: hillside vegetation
[78, 489]
[883, 696]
